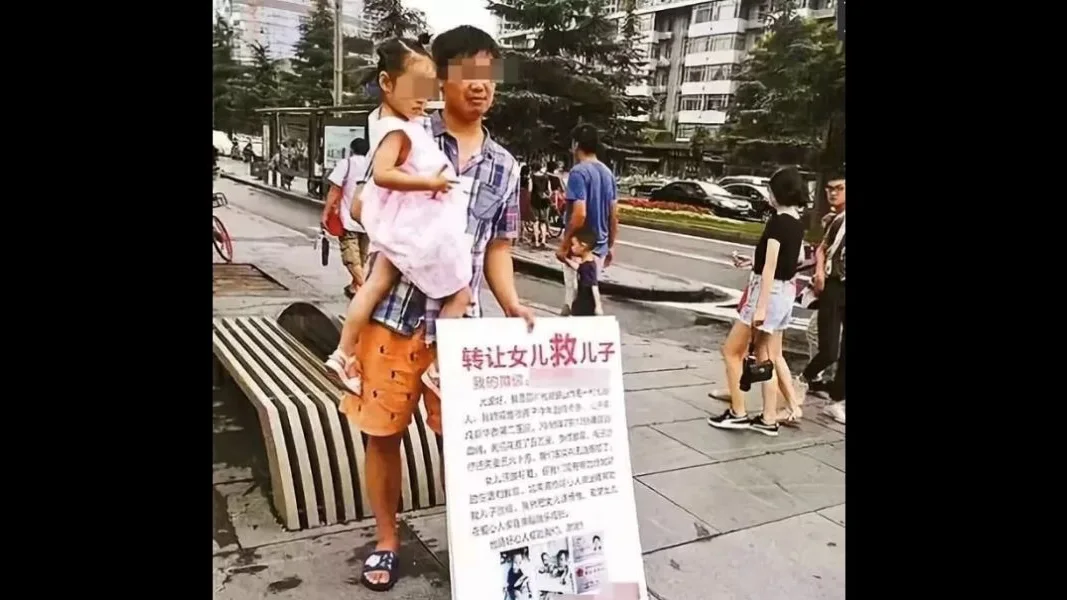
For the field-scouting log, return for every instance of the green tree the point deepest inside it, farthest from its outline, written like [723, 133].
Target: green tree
[792, 88]
[577, 71]
[264, 79]
[313, 60]
[396, 19]
[225, 78]
[698, 145]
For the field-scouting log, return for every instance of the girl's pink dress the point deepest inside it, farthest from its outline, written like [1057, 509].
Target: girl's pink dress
[424, 235]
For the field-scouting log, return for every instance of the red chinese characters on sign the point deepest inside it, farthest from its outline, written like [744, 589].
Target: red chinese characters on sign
[563, 350]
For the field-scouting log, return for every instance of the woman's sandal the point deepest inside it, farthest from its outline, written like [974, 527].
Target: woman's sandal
[790, 417]
[431, 378]
[380, 561]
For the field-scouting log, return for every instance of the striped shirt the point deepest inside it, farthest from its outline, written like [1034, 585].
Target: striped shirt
[493, 214]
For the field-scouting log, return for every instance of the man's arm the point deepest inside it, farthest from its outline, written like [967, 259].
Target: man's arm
[577, 194]
[333, 199]
[499, 268]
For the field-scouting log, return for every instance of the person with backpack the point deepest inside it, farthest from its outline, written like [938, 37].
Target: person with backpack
[344, 181]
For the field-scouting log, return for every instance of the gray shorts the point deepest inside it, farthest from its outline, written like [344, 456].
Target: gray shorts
[779, 304]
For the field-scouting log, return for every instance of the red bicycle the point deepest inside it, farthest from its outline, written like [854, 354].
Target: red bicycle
[220, 238]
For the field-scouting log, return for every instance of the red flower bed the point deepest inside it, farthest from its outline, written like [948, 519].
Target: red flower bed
[642, 203]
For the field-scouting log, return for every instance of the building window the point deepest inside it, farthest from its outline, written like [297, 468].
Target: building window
[716, 11]
[718, 102]
[702, 12]
[684, 131]
[721, 72]
[715, 43]
[691, 102]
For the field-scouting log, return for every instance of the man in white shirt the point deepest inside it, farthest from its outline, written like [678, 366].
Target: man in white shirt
[344, 181]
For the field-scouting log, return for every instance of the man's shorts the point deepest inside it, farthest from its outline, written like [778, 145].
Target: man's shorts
[353, 248]
[390, 366]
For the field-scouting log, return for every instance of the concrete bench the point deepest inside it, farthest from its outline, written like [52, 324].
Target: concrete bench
[315, 457]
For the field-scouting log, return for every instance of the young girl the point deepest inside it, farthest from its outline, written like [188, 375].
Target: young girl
[414, 218]
[767, 308]
[587, 300]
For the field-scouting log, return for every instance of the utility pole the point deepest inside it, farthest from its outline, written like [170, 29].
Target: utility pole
[338, 53]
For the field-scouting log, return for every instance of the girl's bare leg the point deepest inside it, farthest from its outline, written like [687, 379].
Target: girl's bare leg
[383, 276]
[733, 354]
[456, 305]
[785, 379]
[770, 387]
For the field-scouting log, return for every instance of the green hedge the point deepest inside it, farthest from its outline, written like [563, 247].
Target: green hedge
[740, 232]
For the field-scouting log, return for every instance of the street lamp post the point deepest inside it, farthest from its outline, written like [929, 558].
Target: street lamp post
[338, 54]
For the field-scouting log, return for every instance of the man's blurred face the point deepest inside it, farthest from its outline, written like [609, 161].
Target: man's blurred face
[470, 84]
[835, 193]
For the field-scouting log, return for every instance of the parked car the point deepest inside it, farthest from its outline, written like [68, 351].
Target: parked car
[644, 189]
[759, 196]
[702, 193]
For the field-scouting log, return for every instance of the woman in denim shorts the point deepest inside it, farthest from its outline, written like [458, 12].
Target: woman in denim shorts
[767, 308]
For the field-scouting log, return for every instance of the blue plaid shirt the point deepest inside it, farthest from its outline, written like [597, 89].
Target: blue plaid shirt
[493, 214]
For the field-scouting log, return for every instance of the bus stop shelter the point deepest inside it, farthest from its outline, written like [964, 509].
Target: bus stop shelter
[318, 138]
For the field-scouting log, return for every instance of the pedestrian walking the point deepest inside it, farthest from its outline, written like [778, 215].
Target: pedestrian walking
[587, 297]
[591, 204]
[766, 309]
[829, 283]
[344, 183]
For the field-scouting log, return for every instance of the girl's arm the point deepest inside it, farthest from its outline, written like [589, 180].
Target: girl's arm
[767, 275]
[388, 175]
[596, 297]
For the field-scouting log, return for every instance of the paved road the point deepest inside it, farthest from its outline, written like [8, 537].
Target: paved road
[675, 322]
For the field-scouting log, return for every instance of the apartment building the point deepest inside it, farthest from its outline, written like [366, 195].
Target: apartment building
[276, 23]
[695, 49]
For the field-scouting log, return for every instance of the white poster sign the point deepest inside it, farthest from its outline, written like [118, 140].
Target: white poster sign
[336, 139]
[537, 460]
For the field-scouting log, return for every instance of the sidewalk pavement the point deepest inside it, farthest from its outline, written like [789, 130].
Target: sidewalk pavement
[721, 514]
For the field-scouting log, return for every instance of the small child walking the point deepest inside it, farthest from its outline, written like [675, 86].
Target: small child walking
[587, 299]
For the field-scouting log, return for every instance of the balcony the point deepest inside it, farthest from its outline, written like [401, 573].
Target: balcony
[702, 117]
[723, 86]
[719, 27]
[660, 36]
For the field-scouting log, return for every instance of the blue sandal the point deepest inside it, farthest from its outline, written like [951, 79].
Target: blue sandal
[380, 561]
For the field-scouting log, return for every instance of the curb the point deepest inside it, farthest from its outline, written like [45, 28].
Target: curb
[273, 190]
[542, 271]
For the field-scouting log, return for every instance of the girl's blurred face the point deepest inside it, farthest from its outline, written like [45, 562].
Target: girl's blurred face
[408, 92]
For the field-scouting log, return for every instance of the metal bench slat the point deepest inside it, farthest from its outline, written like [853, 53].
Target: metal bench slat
[255, 357]
[358, 457]
[310, 419]
[283, 493]
[327, 405]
